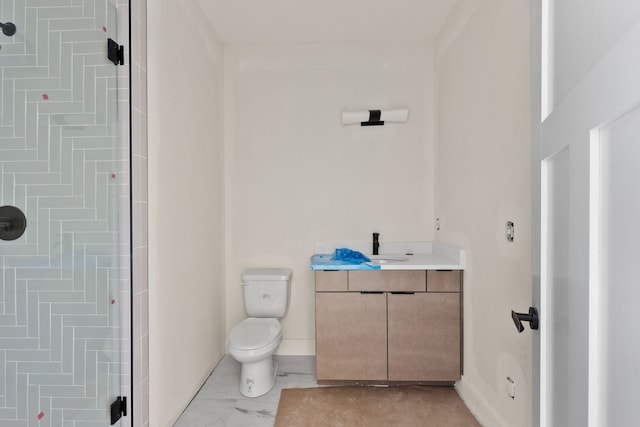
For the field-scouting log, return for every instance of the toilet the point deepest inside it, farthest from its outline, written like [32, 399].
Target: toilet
[253, 341]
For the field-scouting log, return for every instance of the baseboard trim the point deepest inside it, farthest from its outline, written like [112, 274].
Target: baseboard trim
[197, 388]
[478, 405]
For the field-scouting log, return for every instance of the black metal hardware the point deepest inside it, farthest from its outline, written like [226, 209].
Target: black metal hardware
[403, 293]
[12, 223]
[374, 119]
[115, 52]
[8, 28]
[371, 292]
[118, 409]
[531, 317]
[376, 244]
[510, 231]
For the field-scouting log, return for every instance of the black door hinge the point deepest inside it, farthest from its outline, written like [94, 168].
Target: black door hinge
[115, 52]
[118, 409]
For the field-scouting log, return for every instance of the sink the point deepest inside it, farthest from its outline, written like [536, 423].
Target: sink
[382, 259]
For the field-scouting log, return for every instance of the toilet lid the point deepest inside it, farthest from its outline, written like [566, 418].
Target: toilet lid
[253, 333]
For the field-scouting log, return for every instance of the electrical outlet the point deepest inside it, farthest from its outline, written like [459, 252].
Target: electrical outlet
[437, 224]
[511, 388]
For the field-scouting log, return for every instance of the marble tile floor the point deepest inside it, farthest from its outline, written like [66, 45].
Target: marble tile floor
[220, 404]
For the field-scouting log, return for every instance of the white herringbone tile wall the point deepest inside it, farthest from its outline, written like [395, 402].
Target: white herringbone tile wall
[62, 163]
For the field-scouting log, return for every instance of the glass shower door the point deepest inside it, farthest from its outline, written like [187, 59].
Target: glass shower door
[60, 164]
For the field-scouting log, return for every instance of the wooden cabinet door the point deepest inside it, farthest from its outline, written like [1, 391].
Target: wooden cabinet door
[351, 336]
[424, 337]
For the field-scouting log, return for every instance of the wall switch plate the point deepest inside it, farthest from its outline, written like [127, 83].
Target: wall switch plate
[511, 388]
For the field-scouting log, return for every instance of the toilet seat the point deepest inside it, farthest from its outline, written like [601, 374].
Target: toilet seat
[254, 333]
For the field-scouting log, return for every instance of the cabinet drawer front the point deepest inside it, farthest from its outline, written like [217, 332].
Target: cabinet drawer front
[328, 281]
[444, 280]
[389, 280]
[351, 336]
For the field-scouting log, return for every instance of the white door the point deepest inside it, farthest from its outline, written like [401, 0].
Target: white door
[586, 201]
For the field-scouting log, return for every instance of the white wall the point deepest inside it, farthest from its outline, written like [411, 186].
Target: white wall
[186, 199]
[296, 175]
[483, 181]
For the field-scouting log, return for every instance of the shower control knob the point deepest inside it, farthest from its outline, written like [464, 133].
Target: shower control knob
[12, 223]
[8, 29]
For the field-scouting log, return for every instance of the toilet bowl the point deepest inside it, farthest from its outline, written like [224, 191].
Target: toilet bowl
[253, 342]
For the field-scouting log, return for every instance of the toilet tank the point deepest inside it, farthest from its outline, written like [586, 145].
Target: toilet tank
[266, 291]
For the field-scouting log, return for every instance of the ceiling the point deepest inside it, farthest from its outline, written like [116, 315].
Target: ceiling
[325, 21]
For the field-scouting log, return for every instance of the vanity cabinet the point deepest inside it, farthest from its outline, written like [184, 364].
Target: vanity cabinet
[388, 326]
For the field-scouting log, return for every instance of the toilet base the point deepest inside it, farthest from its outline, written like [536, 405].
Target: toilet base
[258, 378]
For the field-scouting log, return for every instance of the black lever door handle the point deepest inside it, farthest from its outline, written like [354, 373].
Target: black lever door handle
[531, 317]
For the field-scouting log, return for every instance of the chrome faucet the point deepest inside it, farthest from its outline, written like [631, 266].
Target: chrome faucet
[376, 244]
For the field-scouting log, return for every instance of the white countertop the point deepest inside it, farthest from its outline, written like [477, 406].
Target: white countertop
[404, 255]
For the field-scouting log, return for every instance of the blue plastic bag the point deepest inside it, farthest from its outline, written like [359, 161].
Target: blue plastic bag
[349, 256]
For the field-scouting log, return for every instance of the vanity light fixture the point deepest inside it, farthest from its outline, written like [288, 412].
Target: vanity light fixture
[374, 117]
